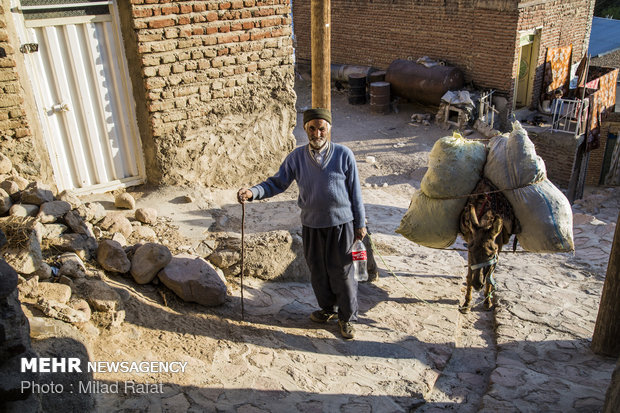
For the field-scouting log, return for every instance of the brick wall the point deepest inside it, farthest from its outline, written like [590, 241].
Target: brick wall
[558, 150]
[16, 134]
[214, 85]
[478, 36]
[595, 164]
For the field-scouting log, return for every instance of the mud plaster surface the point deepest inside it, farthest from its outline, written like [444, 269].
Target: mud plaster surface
[413, 349]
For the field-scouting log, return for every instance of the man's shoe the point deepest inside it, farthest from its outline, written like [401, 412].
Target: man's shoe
[322, 316]
[346, 330]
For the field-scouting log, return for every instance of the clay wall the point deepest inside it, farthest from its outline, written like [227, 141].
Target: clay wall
[213, 81]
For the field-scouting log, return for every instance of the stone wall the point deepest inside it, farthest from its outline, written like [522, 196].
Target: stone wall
[558, 150]
[214, 84]
[478, 36]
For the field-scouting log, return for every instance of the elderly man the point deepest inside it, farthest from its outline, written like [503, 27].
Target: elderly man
[332, 216]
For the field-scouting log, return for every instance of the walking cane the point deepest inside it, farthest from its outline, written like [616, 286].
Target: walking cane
[242, 245]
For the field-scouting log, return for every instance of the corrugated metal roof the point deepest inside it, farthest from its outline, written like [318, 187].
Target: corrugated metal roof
[605, 36]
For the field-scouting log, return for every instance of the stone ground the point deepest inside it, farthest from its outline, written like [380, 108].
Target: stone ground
[414, 351]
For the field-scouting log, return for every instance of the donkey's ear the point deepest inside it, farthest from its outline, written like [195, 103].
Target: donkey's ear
[498, 224]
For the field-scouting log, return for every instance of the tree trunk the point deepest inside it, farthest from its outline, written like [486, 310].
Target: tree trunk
[320, 34]
[606, 338]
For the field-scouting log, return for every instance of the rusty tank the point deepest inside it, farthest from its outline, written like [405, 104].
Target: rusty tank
[419, 83]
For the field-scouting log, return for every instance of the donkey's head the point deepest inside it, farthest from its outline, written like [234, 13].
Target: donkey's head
[483, 244]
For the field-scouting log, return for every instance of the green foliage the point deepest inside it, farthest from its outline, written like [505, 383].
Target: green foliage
[605, 8]
[613, 12]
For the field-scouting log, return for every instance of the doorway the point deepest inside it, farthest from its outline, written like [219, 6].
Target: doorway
[528, 58]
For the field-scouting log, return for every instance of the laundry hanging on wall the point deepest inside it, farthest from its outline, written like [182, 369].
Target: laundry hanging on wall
[557, 72]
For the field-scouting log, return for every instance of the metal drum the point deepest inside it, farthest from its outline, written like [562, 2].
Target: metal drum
[380, 97]
[377, 76]
[357, 88]
[423, 84]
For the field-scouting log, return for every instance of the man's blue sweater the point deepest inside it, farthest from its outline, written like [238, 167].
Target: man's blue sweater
[329, 194]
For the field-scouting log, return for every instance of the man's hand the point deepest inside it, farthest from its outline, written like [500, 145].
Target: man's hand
[360, 233]
[244, 195]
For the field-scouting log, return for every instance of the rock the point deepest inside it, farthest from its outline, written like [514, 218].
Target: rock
[98, 294]
[72, 266]
[5, 202]
[11, 188]
[120, 238]
[54, 291]
[43, 327]
[37, 193]
[116, 222]
[44, 272]
[92, 212]
[61, 311]
[148, 260]
[82, 245]
[80, 305]
[28, 288]
[112, 257]
[145, 234]
[50, 211]
[146, 215]
[51, 231]
[176, 403]
[3, 239]
[23, 252]
[125, 201]
[8, 279]
[194, 279]
[24, 210]
[5, 164]
[22, 183]
[75, 221]
[131, 250]
[70, 197]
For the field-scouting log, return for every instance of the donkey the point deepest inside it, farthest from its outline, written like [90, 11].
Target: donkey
[486, 224]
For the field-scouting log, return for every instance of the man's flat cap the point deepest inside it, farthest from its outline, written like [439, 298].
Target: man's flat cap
[318, 113]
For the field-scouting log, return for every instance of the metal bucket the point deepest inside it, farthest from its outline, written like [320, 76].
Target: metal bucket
[378, 76]
[380, 97]
[357, 88]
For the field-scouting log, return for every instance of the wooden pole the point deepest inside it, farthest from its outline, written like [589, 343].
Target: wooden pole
[320, 34]
[606, 338]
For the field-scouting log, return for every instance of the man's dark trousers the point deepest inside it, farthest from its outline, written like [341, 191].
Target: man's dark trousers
[328, 255]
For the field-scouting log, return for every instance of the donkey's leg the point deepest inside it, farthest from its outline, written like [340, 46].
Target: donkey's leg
[488, 301]
[466, 305]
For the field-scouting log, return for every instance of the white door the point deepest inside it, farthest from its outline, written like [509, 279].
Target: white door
[83, 94]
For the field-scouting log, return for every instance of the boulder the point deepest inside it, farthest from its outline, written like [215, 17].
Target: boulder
[194, 279]
[11, 188]
[8, 279]
[146, 215]
[71, 266]
[5, 164]
[120, 238]
[37, 193]
[82, 245]
[70, 197]
[92, 212]
[116, 222]
[124, 201]
[24, 210]
[112, 257]
[148, 260]
[61, 311]
[5, 202]
[49, 212]
[52, 231]
[98, 294]
[54, 291]
[145, 233]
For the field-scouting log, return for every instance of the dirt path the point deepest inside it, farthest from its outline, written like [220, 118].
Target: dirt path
[414, 350]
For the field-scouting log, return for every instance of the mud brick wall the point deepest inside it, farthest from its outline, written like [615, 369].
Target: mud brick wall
[478, 36]
[213, 81]
[558, 150]
[17, 140]
[595, 164]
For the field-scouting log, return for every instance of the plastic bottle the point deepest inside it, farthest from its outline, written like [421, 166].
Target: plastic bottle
[359, 261]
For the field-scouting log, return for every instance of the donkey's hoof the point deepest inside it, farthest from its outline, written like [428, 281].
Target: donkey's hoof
[488, 305]
[464, 309]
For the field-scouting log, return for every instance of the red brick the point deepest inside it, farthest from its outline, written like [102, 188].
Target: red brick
[158, 24]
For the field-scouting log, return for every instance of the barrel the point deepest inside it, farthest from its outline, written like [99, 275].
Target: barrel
[377, 76]
[380, 97]
[357, 88]
[423, 84]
